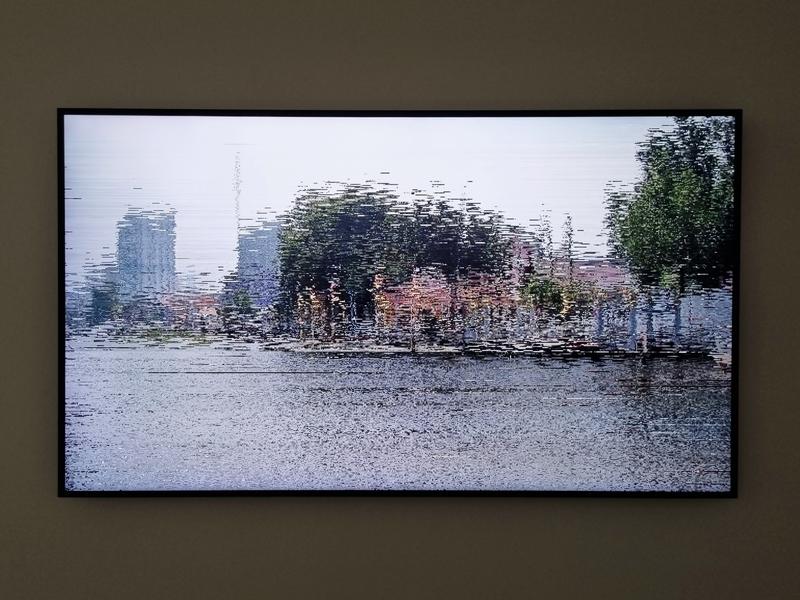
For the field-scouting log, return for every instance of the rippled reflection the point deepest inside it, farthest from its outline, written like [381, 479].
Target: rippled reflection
[227, 416]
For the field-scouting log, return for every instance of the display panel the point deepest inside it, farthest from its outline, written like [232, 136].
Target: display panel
[398, 302]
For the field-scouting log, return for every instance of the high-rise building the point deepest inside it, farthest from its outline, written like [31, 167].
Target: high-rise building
[145, 255]
[257, 268]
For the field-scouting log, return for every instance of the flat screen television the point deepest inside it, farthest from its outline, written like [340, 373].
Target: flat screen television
[398, 302]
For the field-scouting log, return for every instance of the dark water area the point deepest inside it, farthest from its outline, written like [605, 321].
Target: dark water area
[225, 416]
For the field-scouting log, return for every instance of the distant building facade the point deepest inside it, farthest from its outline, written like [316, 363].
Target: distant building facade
[257, 269]
[145, 255]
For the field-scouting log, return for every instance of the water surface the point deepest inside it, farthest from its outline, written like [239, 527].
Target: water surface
[230, 416]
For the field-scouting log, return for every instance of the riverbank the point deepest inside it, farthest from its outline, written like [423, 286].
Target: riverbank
[549, 348]
[563, 348]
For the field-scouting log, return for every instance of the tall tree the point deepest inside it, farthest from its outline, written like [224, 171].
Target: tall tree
[347, 238]
[675, 228]
[567, 248]
[337, 238]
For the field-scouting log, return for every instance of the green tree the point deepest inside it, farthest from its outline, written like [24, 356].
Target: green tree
[344, 238]
[544, 293]
[104, 302]
[676, 227]
[349, 237]
[238, 312]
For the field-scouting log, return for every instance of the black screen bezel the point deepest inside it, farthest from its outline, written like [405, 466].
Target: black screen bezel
[734, 449]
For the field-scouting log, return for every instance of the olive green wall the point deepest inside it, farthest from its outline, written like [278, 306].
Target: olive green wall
[401, 54]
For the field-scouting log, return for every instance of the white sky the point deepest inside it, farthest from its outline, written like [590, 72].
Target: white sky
[525, 167]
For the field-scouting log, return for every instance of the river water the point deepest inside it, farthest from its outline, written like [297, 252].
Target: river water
[228, 416]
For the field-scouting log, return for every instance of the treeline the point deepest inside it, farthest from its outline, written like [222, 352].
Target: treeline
[361, 261]
[675, 227]
[335, 245]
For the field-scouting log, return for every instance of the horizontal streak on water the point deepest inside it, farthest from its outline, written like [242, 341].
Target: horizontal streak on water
[264, 372]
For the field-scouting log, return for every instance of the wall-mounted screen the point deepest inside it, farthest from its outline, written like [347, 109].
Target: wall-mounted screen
[524, 302]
